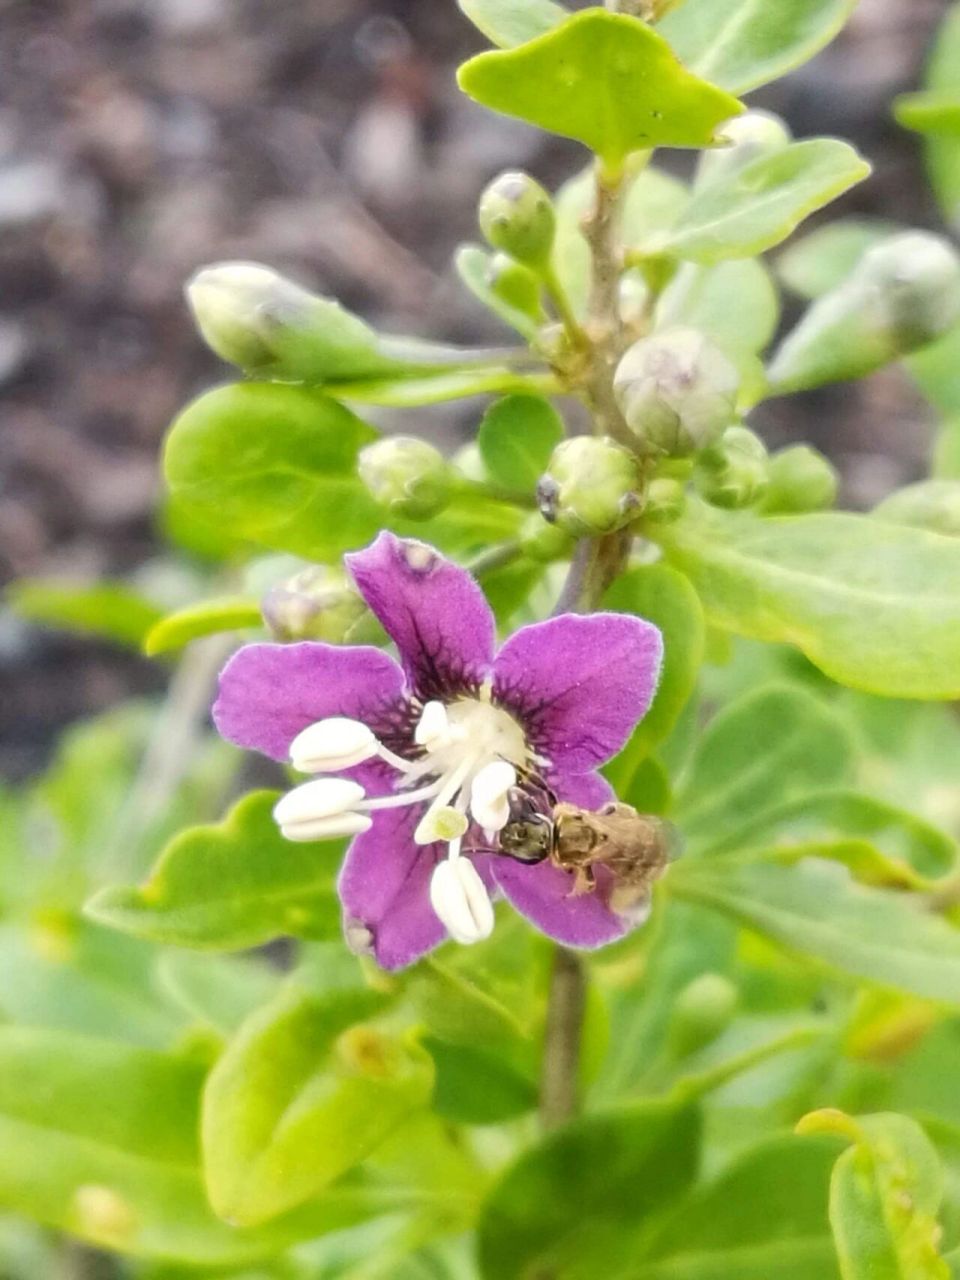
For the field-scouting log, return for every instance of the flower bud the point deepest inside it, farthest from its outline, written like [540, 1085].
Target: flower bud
[590, 486]
[316, 604]
[750, 136]
[544, 542]
[677, 391]
[407, 476]
[734, 471]
[516, 285]
[666, 499]
[516, 216]
[903, 294]
[702, 1010]
[801, 479]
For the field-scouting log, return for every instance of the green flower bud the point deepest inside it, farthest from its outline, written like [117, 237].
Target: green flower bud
[318, 603]
[903, 294]
[700, 1013]
[516, 285]
[665, 500]
[407, 476]
[801, 479]
[734, 471]
[750, 136]
[677, 391]
[544, 542]
[517, 217]
[591, 486]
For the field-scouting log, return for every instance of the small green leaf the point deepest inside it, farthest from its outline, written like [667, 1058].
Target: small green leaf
[943, 149]
[473, 267]
[517, 436]
[699, 297]
[760, 752]
[885, 1194]
[934, 369]
[107, 609]
[510, 22]
[276, 464]
[230, 886]
[607, 80]
[816, 909]
[217, 991]
[874, 605]
[209, 617]
[438, 388]
[570, 1202]
[823, 259]
[741, 44]
[935, 112]
[930, 504]
[741, 214]
[664, 597]
[476, 1086]
[301, 1095]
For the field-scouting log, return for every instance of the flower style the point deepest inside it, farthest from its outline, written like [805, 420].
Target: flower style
[427, 753]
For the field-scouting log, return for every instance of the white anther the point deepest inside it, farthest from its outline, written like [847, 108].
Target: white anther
[433, 725]
[306, 812]
[332, 744]
[458, 896]
[442, 823]
[489, 801]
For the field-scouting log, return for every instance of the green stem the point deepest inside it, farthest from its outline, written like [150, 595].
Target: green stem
[564, 309]
[559, 1081]
[494, 558]
[694, 1087]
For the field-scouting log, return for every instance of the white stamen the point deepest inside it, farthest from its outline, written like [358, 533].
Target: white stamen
[327, 746]
[433, 725]
[444, 824]
[488, 795]
[322, 798]
[449, 786]
[458, 896]
[344, 824]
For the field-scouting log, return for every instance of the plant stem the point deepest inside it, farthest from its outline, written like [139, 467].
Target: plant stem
[494, 558]
[597, 562]
[559, 1092]
[696, 1086]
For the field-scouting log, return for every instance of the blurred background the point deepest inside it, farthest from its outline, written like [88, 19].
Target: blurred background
[140, 139]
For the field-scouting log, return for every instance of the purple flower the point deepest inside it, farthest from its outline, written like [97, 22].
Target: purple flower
[430, 753]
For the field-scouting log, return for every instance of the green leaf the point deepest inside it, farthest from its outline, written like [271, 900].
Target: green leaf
[662, 596]
[517, 436]
[934, 369]
[873, 605]
[207, 618]
[217, 991]
[760, 752]
[476, 1086]
[234, 885]
[107, 609]
[815, 908]
[510, 22]
[473, 266]
[931, 504]
[607, 80]
[885, 1193]
[301, 1095]
[762, 1218]
[937, 111]
[741, 44]
[699, 297]
[276, 464]
[438, 388]
[942, 149]
[567, 1203]
[741, 214]
[823, 259]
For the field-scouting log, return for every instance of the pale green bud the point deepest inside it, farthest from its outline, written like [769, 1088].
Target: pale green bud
[407, 476]
[734, 471]
[801, 479]
[516, 285]
[665, 501]
[544, 542]
[749, 137]
[591, 486]
[677, 391]
[700, 1013]
[903, 294]
[318, 603]
[516, 216]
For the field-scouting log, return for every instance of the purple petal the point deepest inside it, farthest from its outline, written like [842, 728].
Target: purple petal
[385, 886]
[543, 893]
[433, 611]
[269, 692]
[588, 790]
[580, 684]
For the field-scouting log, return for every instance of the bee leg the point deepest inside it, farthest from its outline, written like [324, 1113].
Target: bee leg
[584, 882]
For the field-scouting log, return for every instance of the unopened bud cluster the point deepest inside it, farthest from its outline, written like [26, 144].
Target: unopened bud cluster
[591, 486]
[407, 476]
[316, 604]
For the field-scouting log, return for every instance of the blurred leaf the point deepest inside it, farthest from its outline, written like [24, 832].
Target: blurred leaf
[217, 991]
[476, 1086]
[885, 1193]
[607, 80]
[301, 1095]
[762, 751]
[237, 884]
[741, 44]
[943, 150]
[107, 609]
[510, 22]
[473, 266]
[823, 259]
[874, 606]
[815, 908]
[508, 588]
[517, 436]
[937, 112]
[741, 214]
[699, 296]
[208, 617]
[438, 388]
[662, 596]
[930, 504]
[934, 369]
[275, 464]
[568, 1204]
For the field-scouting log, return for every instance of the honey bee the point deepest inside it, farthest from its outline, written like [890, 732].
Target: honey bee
[634, 847]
